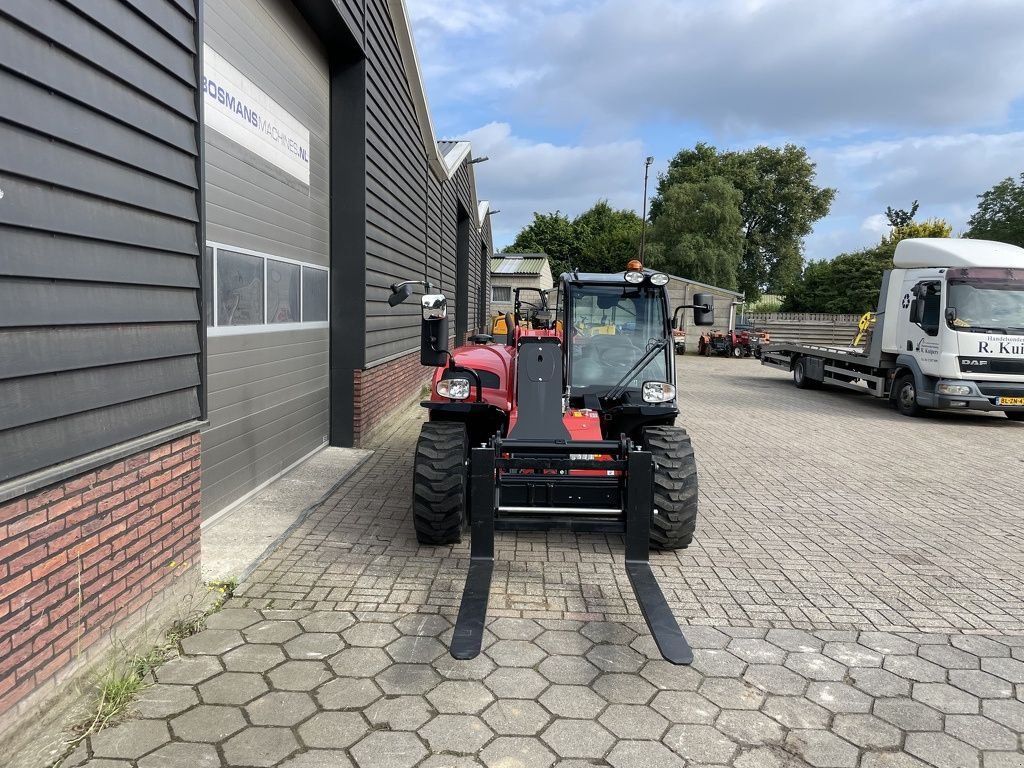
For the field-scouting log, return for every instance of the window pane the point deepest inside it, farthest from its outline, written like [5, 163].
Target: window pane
[501, 293]
[239, 289]
[314, 295]
[282, 292]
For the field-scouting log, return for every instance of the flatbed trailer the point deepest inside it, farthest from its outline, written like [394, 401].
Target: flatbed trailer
[848, 367]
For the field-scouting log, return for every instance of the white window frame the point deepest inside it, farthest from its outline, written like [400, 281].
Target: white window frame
[502, 301]
[264, 327]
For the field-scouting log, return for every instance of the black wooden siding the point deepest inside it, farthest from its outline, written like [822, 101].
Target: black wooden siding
[99, 226]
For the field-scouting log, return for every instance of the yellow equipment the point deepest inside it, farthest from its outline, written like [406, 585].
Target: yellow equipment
[865, 325]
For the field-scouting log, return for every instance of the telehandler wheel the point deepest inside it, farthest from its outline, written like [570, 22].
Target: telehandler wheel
[440, 483]
[675, 487]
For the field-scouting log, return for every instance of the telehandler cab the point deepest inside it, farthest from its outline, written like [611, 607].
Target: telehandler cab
[567, 427]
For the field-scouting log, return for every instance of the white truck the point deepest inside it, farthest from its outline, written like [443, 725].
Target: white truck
[948, 334]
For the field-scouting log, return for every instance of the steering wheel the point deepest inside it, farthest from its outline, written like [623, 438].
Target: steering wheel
[619, 354]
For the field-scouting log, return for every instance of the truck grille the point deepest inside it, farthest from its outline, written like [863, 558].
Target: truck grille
[991, 365]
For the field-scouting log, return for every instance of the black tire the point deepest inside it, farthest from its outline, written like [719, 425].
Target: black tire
[440, 483]
[800, 379]
[675, 487]
[1014, 415]
[905, 396]
[737, 352]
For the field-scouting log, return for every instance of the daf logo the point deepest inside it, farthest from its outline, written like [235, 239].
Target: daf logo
[975, 362]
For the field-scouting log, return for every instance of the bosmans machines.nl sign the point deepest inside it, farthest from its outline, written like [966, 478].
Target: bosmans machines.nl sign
[237, 108]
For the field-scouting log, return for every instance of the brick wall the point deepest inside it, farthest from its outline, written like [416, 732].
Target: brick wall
[79, 557]
[380, 390]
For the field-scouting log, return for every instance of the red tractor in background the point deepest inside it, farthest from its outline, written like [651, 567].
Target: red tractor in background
[570, 426]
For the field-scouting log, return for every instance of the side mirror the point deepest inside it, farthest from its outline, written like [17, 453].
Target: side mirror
[917, 311]
[399, 293]
[435, 306]
[950, 315]
[703, 309]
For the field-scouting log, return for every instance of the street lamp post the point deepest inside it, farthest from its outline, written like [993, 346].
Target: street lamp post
[643, 222]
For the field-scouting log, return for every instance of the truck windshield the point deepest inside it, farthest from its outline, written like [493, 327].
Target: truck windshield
[986, 306]
[612, 328]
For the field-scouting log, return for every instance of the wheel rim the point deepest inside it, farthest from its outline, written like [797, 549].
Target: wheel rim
[908, 397]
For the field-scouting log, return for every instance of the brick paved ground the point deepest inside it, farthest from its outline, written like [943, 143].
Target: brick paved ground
[859, 577]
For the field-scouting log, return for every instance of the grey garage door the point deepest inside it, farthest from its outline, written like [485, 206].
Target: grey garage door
[266, 98]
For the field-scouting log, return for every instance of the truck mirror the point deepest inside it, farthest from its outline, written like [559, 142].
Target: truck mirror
[435, 306]
[703, 309]
[434, 342]
[951, 315]
[399, 293]
[917, 311]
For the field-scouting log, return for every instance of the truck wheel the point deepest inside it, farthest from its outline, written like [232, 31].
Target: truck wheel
[675, 487]
[440, 483]
[906, 396]
[1014, 415]
[800, 378]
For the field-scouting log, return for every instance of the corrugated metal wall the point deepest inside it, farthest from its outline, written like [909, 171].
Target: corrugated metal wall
[99, 225]
[268, 389]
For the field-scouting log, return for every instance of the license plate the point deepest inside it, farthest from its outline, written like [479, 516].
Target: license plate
[1010, 401]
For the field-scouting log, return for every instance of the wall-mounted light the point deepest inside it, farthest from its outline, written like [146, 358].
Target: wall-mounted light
[479, 159]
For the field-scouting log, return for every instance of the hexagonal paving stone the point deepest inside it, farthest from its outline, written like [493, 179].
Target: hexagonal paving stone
[981, 684]
[755, 651]
[948, 657]
[643, 754]
[941, 750]
[280, 708]
[188, 670]
[509, 751]
[867, 731]
[890, 760]
[400, 713]
[705, 637]
[313, 645]
[981, 732]
[852, 654]
[556, 642]
[319, 758]
[731, 694]
[908, 714]
[458, 669]
[572, 701]
[796, 712]
[162, 701]
[608, 632]
[839, 697]
[776, 679]
[513, 683]
[515, 653]
[253, 657]
[794, 640]
[299, 675]
[206, 723]
[272, 632]
[233, 618]
[1009, 713]
[407, 679]
[568, 670]
[718, 663]
[181, 755]
[1010, 670]
[647, 647]
[515, 717]
[359, 662]
[615, 658]
[415, 650]
[462, 697]
[750, 728]
[284, 614]
[671, 677]
[685, 707]
[914, 668]
[389, 749]
[370, 635]
[632, 721]
[327, 621]
[822, 749]
[450, 761]
[879, 682]
[624, 689]
[422, 625]
[462, 734]
[979, 646]
[261, 747]
[815, 666]
[347, 693]
[515, 629]
[886, 643]
[946, 698]
[333, 730]
[232, 688]
[130, 740]
[701, 744]
[765, 757]
[578, 738]
[211, 642]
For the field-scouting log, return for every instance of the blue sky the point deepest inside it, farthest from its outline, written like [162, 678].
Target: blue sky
[895, 101]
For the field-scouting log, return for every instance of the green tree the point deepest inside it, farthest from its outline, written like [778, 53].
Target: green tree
[698, 232]
[1000, 214]
[553, 234]
[779, 204]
